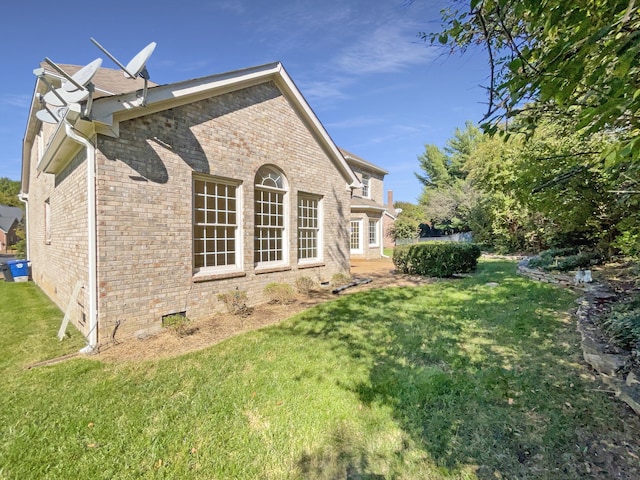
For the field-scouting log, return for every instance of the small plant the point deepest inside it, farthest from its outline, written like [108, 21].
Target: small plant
[179, 323]
[235, 301]
[340, 279]
[623, 324]
[564, 259]
[281, 293]
[304, 285]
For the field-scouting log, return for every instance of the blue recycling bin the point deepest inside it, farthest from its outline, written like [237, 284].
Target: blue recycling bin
[19, 270]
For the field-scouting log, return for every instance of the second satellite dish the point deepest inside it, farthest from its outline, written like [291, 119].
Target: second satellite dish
[137, 65]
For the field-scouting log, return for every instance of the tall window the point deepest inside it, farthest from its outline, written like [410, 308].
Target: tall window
[216, 237]
[308, 227]
[373, 232]
[355, 238]
[365, 185]
[270, 244]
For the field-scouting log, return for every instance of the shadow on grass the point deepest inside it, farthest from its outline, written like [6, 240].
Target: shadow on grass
[477, 376]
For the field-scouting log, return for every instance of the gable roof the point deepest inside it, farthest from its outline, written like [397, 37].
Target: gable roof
[110, 109]
[361, 162]
[11, 212]
[9, 216]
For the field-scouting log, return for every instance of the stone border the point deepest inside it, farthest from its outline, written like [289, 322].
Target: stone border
[613, 365]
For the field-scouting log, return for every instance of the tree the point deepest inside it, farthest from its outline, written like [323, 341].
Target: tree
[9, 190]
[577, 60]
[447, 197]
[446, 167]
[407, 225]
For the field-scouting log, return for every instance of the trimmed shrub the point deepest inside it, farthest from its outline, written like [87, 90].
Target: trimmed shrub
[281, 293]
[436, 259]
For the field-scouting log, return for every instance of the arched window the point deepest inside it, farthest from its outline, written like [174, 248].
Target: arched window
[270, 240]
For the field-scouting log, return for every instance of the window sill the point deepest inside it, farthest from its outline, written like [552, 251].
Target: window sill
[261, 270]
[210, 277]
[302, 266]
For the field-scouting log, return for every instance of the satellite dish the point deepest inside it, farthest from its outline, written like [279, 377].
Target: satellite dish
[46, 116]
[61, 97]
[136, 67]
[75, 89]
[83, 76]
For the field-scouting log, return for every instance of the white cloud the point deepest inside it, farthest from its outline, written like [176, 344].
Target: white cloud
[16, 100]
[355, 122]
[387, 49]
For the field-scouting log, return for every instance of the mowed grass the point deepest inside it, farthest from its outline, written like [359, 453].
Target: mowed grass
[457, 379]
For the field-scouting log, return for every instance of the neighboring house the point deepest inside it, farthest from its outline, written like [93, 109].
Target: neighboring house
[10, 217]
[217, 184]
[370, 217]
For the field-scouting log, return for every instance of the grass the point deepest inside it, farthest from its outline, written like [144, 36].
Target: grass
[457, 379]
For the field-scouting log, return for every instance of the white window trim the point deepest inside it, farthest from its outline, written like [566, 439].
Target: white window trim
[360, 248]
[377, 240]
[285, 229]
[319, 244]
[239, 247]
[368, 185]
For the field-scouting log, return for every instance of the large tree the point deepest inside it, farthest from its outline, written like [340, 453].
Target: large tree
[578, 59]
[447, 196]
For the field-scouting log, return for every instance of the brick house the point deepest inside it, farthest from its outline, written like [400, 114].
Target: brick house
[370, 217]
[136, 212]
[10, 217]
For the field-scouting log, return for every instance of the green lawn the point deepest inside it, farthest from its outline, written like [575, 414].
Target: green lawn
[457, 379]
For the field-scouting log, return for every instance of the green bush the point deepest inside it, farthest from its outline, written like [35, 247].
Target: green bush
[179, 323]
[281, 293]
[436, 259]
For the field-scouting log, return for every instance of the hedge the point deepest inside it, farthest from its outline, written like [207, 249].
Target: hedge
[436, 259]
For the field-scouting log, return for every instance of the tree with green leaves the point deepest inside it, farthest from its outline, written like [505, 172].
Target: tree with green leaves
[579, 60]
[9, 190]
[446, 196]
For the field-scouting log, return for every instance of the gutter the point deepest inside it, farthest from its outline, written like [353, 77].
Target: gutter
[91, 235]
[24, 198]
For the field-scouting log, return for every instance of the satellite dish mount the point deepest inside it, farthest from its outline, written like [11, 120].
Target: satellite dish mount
[136, 67]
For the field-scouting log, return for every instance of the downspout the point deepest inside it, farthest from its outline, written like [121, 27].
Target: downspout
[24, 198]
[91, 236]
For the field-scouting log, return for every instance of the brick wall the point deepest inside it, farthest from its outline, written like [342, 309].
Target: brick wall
[145, 203]
[58, 264]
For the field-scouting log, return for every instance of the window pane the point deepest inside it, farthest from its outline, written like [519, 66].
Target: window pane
[214, 235]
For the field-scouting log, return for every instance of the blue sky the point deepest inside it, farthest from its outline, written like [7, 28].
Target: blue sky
[380, 92]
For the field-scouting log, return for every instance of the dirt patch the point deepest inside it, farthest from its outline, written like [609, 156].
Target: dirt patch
[205, 333]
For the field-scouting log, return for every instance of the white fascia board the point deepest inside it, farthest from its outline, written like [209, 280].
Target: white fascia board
[310, 118]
